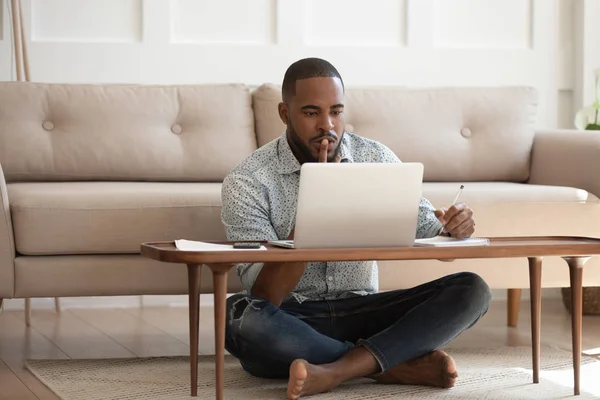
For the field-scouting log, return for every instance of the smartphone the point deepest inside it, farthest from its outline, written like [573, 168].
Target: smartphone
[246, 245]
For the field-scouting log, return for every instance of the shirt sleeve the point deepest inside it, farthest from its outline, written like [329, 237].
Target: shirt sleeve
[427, 224]
[245, 216]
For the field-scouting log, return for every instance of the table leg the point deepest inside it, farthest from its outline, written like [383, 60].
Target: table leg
[576, 278]
[194, 309]
[220, 293]
[535, 286]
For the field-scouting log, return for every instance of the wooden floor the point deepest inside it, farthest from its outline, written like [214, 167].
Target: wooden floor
[158, 331]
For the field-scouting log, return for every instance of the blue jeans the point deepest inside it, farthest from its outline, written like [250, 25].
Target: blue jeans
[395, 326]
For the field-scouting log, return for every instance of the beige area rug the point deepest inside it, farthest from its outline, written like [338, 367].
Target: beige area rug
[499, 373]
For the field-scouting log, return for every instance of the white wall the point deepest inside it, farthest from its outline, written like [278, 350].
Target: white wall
[380, 42]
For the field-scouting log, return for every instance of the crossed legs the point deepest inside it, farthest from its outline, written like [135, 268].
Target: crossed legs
[391, 337]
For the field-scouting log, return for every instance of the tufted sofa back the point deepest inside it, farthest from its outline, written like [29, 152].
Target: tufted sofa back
[459, 134]
[66, 132]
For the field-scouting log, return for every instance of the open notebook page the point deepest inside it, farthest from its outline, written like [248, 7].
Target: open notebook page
[449, 241]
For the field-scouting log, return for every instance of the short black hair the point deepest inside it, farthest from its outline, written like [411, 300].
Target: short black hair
[304, 69]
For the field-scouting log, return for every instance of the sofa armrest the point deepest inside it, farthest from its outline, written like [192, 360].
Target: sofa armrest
[7, 244]
[566, 158]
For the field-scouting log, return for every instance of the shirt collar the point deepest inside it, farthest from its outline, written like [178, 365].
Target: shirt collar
[288, 163]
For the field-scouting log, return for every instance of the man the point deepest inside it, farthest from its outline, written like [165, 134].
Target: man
[321, 324]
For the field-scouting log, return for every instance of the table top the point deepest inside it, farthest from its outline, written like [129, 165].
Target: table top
[499, 247]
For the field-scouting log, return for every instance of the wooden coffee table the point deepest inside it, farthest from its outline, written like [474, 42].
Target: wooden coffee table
[574, 250]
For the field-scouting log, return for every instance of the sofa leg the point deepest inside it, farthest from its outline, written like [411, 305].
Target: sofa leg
[513, 305]
[1, 304]
[57, 304]
[28, 312]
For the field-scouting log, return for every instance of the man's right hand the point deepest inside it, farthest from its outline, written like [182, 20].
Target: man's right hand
[323, 152]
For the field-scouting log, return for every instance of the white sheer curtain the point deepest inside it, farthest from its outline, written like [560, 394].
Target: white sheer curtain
[19, 41]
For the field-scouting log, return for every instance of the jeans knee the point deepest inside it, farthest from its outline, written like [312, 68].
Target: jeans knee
[477, 293]
[238, 307]
[257, 330]
[243, 318]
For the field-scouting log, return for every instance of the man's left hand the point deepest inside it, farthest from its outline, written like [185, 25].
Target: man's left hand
[457, 220]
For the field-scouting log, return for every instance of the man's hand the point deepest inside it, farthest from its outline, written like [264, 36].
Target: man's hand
[323, 152]
[457, 220]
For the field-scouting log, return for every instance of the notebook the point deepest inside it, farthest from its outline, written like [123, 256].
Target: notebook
[445, 241]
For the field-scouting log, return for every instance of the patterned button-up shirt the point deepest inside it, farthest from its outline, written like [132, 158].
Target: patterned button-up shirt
[259, 203]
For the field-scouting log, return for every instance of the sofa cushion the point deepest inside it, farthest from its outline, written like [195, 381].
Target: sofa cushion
[467, 134]
[443, 193]
[69, 132]
[513, 209]
[111, 217]
[116, 217]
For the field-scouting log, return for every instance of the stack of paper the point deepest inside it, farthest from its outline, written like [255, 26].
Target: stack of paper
[190, 245]
[449, 241]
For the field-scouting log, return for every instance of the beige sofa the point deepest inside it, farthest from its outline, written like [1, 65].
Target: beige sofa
[92, 171]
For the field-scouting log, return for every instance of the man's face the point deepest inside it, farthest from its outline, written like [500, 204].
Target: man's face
[314, 113]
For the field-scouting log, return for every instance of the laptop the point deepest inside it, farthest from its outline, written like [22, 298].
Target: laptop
[343, 205]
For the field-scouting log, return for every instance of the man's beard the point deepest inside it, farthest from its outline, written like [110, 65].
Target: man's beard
[303, 152]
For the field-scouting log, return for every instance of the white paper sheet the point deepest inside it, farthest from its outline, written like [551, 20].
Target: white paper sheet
[191, 245]
[444, 241]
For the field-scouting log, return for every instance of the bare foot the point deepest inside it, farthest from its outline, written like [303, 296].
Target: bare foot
[307, 379]
[433, 369]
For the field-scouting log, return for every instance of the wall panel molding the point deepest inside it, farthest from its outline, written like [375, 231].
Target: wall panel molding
[224, 22]
[484, 24]
[352, 23]
[91, 21]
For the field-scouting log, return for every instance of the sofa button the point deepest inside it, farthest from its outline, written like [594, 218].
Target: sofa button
[176, 129]
[465, 132]
[48, 125]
